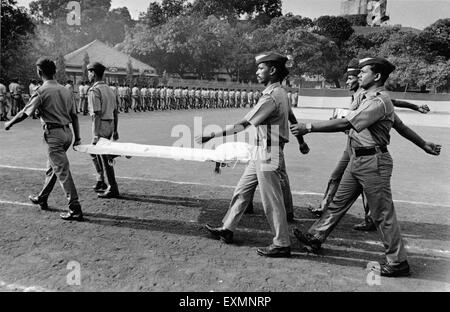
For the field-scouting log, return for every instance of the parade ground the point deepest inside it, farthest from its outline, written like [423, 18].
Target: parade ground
[153, 238]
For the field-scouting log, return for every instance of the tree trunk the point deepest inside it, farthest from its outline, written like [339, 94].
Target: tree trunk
[336, 82]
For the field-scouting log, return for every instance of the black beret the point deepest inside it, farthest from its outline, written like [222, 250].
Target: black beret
[388, 66]
[352, 71]
[271, 57]
[96, 67]
[353, 68]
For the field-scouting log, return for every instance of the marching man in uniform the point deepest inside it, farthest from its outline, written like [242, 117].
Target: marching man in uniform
[369, 169]
[144, 98]
[3, 101]
[16, 96]
[250, 97]
[57, 111]
[270, 118]
[135, 98]
[82, 95]
[103, 108]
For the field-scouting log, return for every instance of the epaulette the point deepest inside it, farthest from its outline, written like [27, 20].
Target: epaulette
[92, 88]
[383, 95]
[270, 91]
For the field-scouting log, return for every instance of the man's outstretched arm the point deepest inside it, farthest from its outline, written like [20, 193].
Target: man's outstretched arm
[411, 135]
[28, 110]
[403, 104]
[236, 128]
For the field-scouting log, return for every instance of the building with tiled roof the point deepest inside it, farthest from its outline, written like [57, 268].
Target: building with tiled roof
[115, 61]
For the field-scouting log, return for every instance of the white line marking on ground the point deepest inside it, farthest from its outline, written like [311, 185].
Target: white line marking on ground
[423, 251]
[412, 248]
[23, 288]
[231, 186]
[409, 247]
[22, 168]
[15, 203]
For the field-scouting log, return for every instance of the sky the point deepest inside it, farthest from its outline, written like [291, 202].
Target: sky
[411, 13]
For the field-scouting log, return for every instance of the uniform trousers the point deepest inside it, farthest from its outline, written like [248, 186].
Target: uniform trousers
[16, 104]
[371, 175]
[267, 174]
[58, 142]
[101, 162]
[3, 106]
[286, 188]
[135, 103]
[333, 184]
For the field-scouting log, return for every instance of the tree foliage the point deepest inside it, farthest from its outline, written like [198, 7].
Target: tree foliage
[336, 28]
[17, 52]
[207, 37]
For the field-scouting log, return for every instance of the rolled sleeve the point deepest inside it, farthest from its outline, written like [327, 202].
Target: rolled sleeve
[32, 105]
[261, 111]
[94, 101]
[366, 115]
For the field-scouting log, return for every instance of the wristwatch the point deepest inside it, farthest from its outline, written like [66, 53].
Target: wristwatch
[309, 127]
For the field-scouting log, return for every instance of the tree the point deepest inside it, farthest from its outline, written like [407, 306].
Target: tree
[356, 19]
[289, 21]
[17, 50]
[436, 38]
[116, 22]
[232, 9]
[130, 71]
[97, 22]
[336, 28]
[312, 54]
[173, 8]
[154, 16]
[158, 14]
[267, 10]
[61, 69]
[84, 66]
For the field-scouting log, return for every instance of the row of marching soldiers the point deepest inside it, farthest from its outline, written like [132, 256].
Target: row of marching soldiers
[140, 99]
[175, 98]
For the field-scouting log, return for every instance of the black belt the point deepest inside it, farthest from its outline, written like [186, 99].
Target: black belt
[51, 126]
[370, 151]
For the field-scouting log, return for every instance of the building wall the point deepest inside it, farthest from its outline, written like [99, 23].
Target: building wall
[351, 7]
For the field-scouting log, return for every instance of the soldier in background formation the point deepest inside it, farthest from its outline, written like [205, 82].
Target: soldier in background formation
[3, 101]
[142, 97]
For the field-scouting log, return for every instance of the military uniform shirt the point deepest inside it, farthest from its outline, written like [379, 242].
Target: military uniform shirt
[250, 96]
[270, 116]
[135, 91]
[81, 91]
[54, 103]
[372, 120]
[2, 92]
[86, 89]
[14, 88]
[102, 99]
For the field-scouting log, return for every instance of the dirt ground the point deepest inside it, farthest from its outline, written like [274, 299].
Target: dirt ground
[153, 238]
